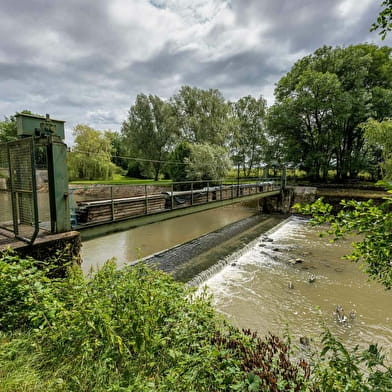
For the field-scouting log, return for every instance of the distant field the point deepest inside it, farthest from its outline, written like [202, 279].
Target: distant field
[122, 180]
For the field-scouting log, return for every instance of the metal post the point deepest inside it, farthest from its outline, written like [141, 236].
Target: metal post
[14, 201]
[172, 199]
[58, 186]
[111, 198]
[221, 184]
[284, 178]
[208, 187]
[34, 193]
[192, 193]
[146, 198]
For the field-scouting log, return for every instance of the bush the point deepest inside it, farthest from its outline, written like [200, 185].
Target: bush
[136, 329]
[133, 329]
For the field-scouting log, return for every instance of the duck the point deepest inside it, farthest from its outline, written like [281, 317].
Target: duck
[339, 314]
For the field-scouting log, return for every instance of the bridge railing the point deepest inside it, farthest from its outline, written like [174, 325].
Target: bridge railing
[106, 203]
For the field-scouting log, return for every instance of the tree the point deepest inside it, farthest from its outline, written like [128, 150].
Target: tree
[384, 19]
[249, 136]
[207, 162]
[306, 116]
[91, 158]
[8, 131]
[323, 99]
[379, 136]
[149, 132]
[177, 159]
[202, 115]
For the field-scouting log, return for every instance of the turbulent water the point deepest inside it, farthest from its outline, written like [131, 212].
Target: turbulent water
[261, 288]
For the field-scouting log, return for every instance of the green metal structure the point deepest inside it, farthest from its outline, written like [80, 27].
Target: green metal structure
[38, 138]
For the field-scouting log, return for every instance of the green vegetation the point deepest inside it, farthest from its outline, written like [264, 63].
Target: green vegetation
[249, 137]
[119, 179]
[373, 222]
[136, 329]
[321, 103]
[384, 19]
[148, 134]
[91, 158]
[379, 136]
[8, 131]
[128, 330]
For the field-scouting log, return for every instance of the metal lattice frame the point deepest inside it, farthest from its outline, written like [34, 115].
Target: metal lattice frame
[17, 166]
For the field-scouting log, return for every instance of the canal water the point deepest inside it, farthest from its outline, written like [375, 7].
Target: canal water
[262, 288]
[133, 244]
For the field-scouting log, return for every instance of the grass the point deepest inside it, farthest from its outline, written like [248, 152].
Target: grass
[119, 179]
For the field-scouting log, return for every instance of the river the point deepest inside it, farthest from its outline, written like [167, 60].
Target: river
[252, 290]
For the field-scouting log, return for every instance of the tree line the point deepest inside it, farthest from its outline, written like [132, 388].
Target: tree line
[328, 110]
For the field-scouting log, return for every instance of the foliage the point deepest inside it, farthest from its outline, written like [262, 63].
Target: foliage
[26, 293]
[91, 158]
[342, 370]
[373, 222]
[177, 159]
[149, 132]
[249, 136]
[133, 329]
[136, 329]
[119, 179]
[379, 136]
[384, 19]
[267, 363]
[202, 115]
[207, 162]
[8, 130]
[323, 99]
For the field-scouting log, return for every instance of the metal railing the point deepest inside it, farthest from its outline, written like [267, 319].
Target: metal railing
[108, 203]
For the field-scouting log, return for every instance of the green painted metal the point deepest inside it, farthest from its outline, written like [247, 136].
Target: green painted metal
[18, 158]
[38, 126]
[58, 186]
[100, 229]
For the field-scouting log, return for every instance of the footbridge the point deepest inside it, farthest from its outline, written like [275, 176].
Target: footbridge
[101, 210]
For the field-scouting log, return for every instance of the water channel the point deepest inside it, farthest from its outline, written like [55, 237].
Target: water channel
[127, 246]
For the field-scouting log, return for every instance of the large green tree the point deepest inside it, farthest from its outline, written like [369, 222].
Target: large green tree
[91, 158]
[202, 115]
[249, 139]
[323, 99]
[149, 132]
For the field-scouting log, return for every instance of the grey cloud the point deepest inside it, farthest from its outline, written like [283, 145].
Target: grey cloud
[71, 58]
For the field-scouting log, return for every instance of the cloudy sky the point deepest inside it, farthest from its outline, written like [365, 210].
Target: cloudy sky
[84, 61]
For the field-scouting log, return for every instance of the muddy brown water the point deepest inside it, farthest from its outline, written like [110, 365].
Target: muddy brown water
[252, 290]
